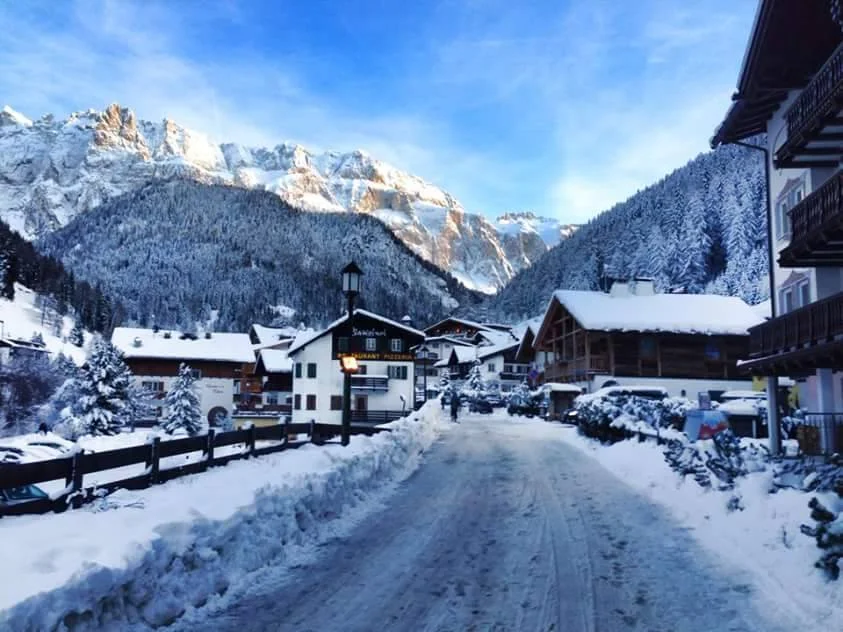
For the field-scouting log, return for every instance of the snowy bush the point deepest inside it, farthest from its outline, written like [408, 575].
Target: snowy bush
[717, 462]
[828, 532]
[617, 418]
[183, 410]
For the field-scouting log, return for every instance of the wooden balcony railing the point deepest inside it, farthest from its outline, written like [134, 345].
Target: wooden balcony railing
[369, 383]
[818, 100]
[813, 324]
[818, 208]
[575, 368]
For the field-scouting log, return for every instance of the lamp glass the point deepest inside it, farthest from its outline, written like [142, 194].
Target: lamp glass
[348, 364]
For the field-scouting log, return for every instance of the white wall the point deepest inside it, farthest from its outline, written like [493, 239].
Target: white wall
[674, 386]
[212, 392]
[329, 381]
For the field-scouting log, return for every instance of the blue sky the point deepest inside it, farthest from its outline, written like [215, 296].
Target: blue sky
[559, 107]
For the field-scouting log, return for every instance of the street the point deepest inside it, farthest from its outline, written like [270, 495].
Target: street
[504, 527]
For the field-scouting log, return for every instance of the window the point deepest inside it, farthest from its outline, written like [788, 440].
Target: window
[298, 369]
[153, 387]
[336, 402]
[786, 300]
[371, 344]
[342, 344]
[397, 372]
[434, 345]
[271, 399]
[508, 368]
[196, 374]
[396, 345]
[311, 402]
[712, 350]
[804, 291]
[297, 401]
[648, 348]
[362, 369]
[791, 196]
[158, 411]
[491, 367]
[311, 369]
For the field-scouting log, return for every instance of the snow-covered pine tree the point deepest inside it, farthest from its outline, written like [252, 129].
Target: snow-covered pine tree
[183, 412]
[75, 336]
[475, 382]
[8, 272]
[105, 391]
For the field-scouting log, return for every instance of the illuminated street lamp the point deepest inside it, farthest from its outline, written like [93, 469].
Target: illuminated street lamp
[348, 364]
[423, 353]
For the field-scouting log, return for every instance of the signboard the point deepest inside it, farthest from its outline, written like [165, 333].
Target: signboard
[704, 400]
[384, 357]
[704, 424]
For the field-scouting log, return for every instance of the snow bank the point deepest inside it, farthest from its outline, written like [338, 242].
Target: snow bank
[145, 557]
[762, 537]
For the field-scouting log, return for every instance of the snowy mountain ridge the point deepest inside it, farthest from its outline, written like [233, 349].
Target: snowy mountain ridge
[53, 170]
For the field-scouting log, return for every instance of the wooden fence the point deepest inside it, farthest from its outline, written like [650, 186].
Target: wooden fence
[73, 468]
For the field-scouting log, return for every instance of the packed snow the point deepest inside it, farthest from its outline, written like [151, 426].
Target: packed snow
[763, 537]
[148, 555]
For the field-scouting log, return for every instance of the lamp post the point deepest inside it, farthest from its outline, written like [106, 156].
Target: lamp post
[348, 364]
[422, 354]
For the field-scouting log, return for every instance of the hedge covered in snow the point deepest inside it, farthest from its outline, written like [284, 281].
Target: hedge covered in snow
[613, 419]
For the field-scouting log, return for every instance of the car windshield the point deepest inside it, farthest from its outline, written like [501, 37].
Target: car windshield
[23, 492]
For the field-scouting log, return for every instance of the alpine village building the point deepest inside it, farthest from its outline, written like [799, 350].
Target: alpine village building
[217, 360]
[790, 88]
[686, 343]
[383, 389]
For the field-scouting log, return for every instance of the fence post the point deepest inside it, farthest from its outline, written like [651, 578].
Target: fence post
[313, 436]
[76, 480]
[154, 463]
[286, 430]
[251, 440]
[209, 448]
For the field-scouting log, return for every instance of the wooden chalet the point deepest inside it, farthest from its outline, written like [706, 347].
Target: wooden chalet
[633, 332]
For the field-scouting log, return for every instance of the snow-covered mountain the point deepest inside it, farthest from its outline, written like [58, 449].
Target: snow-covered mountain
[52, 170]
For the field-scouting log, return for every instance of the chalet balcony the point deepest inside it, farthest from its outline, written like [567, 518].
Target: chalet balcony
[817, 228]
[575, 369]
[800, 341]
[814, 124]
[370, 383]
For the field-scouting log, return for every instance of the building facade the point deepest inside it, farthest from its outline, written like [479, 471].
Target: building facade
[384, 387]
[789, 89]
[217, 359]
[687, 343]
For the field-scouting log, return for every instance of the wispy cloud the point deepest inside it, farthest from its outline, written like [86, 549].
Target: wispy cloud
[564, 110]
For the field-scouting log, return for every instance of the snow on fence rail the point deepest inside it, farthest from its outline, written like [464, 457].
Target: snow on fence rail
[73, 467]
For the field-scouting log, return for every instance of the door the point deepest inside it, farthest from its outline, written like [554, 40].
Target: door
[361, 402]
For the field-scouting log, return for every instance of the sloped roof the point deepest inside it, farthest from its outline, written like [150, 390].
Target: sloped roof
[463, 321]
[492, 350]
[463, 355]
[665, 313]
[272, 335]
[305, 339]
[275, 361]
[135, 342]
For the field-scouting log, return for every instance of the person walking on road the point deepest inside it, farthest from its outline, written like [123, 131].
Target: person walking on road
[455, 407]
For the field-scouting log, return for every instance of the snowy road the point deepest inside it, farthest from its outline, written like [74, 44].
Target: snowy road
[504, 527]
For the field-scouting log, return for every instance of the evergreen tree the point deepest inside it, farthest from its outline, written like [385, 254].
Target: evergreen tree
[475, 383]
[183, 411]
[27, 380]
[75, 336]
[105, 402]
[8, 273]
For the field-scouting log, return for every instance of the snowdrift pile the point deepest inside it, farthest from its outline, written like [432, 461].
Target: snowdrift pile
[145, 558]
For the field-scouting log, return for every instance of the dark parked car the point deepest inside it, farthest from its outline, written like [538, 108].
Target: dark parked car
[21, 494]
[480, 406]
[527, 406]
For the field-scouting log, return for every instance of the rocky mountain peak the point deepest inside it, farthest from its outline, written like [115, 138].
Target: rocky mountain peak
[52, 170]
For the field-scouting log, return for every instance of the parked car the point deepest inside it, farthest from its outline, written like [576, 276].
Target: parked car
[494, 398]
[479, 405]
[526, 406]
[21, 494]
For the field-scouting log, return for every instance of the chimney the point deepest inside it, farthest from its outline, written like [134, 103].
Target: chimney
[620, 289]
[136, 342]
[407, 321]
[643, 286]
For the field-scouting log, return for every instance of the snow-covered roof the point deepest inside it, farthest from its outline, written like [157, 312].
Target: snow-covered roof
[451, 339]
[462, 321]
[763, 309]
[272, 335]
[492, 337]
[275, 361]
[465, 354]
[135, 342]
[669, 313]
[492, 350]
[556, 387]
[737, 394]
[306, 338]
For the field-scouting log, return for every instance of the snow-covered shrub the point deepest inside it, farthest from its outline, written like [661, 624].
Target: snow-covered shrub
[809, 475]
[617, 418]
[717, 462]
[828, 532]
